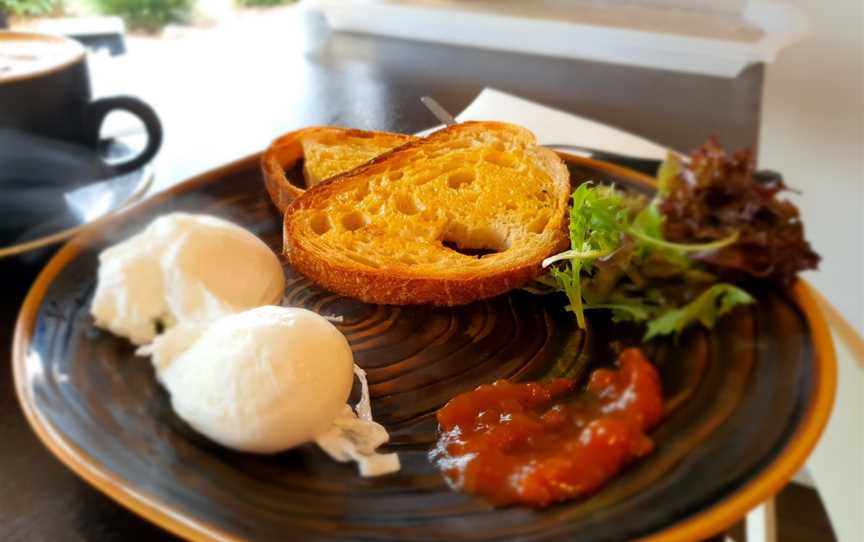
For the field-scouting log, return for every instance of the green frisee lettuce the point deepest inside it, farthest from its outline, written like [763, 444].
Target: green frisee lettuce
[602, 219]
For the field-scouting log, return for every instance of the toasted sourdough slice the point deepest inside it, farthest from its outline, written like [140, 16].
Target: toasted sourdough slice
[402, 228]
[325, 152]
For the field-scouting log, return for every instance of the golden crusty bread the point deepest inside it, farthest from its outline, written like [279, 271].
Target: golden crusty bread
[325, 151]
[396, 230]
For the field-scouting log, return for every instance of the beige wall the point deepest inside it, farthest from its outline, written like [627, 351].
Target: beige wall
[813, 131]
[717, 6]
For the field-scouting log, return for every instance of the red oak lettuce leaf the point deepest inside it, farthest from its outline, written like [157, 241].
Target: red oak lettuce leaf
[717, 194]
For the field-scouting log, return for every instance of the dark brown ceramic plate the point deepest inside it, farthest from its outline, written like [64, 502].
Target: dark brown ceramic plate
[747, 403]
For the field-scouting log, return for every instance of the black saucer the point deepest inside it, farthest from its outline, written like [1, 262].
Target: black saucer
[49, 188]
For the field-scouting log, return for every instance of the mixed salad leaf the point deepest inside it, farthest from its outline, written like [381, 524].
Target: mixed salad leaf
[705, 309]
[718, 193]
[653, 263]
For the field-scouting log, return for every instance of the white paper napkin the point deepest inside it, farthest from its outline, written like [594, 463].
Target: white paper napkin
[552, 126]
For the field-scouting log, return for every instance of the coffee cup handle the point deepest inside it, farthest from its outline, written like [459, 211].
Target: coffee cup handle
[95, 113]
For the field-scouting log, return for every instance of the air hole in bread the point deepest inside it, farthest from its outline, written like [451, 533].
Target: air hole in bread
[424, 177]
[459, 178]
[406, 204]
[296, 174]
[320, 223]
[395, 175]
[501, 159]
[542, 196]
[473, 252]
[478, 242]
[354, 220]
[509, 205]
[538, 224]
[361, 192]
[451, 165]
[499, 146]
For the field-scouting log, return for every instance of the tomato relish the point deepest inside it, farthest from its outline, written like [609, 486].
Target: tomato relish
[537, 443]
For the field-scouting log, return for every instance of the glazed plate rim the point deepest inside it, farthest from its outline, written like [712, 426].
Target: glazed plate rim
[705, 523]
[146, 175]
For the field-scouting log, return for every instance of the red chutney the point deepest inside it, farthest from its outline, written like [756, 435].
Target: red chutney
[541, 442]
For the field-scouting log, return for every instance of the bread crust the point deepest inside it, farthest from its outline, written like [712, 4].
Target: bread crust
[389, 288]
[287, 150]
[399, 285]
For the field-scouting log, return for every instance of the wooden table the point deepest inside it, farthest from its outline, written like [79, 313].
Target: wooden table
[349, 80]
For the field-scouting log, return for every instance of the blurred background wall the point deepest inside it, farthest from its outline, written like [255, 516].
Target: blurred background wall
[813, 131]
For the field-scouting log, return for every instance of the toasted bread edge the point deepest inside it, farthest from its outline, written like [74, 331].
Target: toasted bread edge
[286, 150]
[386, 287]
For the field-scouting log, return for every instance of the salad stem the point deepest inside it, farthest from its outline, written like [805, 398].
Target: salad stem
[698, 247]
[575, 255]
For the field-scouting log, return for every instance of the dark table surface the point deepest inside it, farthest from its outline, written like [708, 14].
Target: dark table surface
[366, 82]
